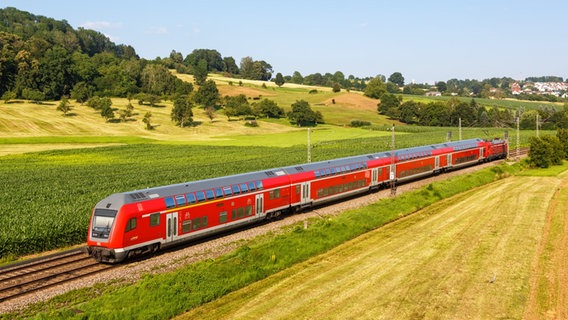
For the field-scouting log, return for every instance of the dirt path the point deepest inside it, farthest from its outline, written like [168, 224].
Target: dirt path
[471, 256]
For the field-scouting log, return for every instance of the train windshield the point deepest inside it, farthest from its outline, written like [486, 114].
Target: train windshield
[102, 223]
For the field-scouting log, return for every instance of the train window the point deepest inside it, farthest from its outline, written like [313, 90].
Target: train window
[259, 185]
[170, 202]
[235, 189]
[191, 198]
[248, 211]
[227, 191]
[244, 187]
[196, 223]
[332, 170]
[204, 222]
[251, 186]
[223, 217]
[234, 214]
[327, 172]
[209, 194]
[298, 189]
[131, 225]
[218, 193]
[186, 226]
[316, 172]
[274, 194]
[200, 196]
[240, 212]
[154, 219]
[180, 200]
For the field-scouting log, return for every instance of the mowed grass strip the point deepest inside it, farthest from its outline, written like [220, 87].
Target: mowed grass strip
[549, 286]
[466, 257]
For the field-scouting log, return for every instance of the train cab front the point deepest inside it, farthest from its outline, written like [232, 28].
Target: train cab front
[100, 238]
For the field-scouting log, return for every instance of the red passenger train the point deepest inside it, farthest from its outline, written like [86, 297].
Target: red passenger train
[136, 222]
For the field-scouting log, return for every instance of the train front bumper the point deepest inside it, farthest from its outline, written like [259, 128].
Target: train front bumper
[106, 255]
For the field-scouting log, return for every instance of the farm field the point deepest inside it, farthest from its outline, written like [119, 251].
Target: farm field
[495, 252]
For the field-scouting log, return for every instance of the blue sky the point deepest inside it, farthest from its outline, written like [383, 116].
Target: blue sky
[426, 41]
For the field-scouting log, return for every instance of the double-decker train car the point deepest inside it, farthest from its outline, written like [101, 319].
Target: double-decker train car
[137, 222]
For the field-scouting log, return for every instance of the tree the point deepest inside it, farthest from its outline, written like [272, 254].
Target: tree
[267, 108]
[375, 89]
[211, 113]
[33, 95]
[545, 151]
[389, 105]
[409, 112]
[336, 87]
[56, 71]
[297, 78]
[207, 95]
[64, 106]
[562, 135]
[230, 66]
[213, 59]
[255, 70]
[9, 95]
[392, 87]
[126, 113]
[397, 79]
[156, 79]
[279, 80]
[107, 113]
[99, 103]
[147, 120]
[81, 92]
[181, 112]
[236, 106]
[441, 86]
[302, 114]
[200, 72]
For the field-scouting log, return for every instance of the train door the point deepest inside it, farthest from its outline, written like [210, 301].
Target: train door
[375, 177]
[259, 210]
[305, 193]
[437, 163]
[481, 153]
[450, 160]
[392, 175]
[171, 226]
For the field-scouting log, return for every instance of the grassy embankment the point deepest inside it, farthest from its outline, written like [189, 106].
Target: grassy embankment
[165, 295]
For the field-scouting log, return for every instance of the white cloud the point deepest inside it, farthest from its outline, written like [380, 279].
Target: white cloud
[101, 25]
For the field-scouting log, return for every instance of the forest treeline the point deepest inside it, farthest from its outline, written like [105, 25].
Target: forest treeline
[45, 59]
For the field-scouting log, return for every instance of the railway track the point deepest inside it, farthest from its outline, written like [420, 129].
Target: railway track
[522, 152]
[41, 273]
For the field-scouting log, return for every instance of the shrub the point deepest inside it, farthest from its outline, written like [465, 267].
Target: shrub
[360, 123]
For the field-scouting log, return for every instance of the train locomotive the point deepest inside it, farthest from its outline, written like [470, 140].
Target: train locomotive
[137, 222]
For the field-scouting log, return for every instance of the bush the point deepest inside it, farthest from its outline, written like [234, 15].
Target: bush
[359, 123]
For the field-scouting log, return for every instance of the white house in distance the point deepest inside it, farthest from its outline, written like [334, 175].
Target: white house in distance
[559, 89]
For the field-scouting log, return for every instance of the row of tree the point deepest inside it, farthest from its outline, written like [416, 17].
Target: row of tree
[449, 113]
